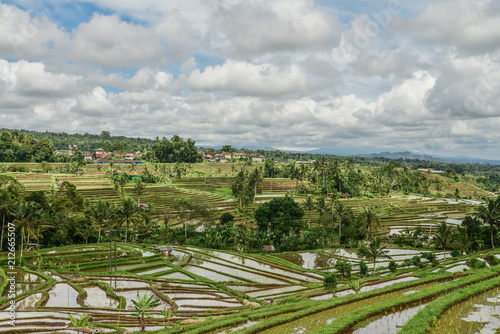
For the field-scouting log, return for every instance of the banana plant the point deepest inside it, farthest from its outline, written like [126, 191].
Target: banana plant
[142, 305]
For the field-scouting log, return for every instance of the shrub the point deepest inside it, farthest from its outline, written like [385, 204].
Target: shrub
[476, 263]
[18, 168]
[363, 269]
[429, 256]
[415, 260]
[393, 266]
[455, 253]
[330, 282]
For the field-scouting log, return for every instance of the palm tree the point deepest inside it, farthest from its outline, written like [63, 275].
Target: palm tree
[142, 305]
[254, 179]
[25, 219]
[5, 209]
[241, 237]
[128, 213]
[376, 251]
[309, 206]
[102, 214]
[490, 215]
[341, 212]
[443, 237]
[370, 218]
[462, 240]
[238, 185]
[139, 189]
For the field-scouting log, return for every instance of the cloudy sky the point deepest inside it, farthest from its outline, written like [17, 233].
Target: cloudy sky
[349, 76]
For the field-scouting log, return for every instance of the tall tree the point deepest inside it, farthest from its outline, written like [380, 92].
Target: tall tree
[139, 189]
[5, 208]
[375, 251]
[490, 215]
[102, 215]
[443, 237]
[309, 206]
[128, 213]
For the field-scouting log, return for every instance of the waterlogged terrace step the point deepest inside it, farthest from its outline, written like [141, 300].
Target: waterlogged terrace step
[62, 295]
[231, 269]
[388, 324]
[367, 287]
[252, 265]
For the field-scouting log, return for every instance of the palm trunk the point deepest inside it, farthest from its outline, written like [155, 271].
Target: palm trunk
[126, 231]
[1, 240]
[491, 233]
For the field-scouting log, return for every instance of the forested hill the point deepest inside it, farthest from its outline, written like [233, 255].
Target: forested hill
[89, 142]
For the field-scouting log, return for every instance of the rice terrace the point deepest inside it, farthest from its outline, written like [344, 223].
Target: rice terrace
[260, 242]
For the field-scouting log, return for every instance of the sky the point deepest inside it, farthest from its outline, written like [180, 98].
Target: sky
[344, 76]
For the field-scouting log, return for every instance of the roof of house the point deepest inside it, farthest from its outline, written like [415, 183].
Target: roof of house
[268, 248]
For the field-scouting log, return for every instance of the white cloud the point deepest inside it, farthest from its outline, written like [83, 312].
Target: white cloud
[249, 79]
[22, 36]
[470, 26]
[258, 27]
[110, 42]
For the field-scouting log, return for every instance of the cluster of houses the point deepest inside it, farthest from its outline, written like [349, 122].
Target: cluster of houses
[226, 156]
[101, 156]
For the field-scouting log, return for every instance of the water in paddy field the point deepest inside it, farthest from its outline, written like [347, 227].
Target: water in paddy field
[62, 295]
[96, 297]
[479, 314]
[391, 323]
[366, 288]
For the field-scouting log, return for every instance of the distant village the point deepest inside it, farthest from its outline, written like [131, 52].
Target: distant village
[101, 156]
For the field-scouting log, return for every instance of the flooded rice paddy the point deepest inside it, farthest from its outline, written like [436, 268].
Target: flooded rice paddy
[197, 284]
[479, 314]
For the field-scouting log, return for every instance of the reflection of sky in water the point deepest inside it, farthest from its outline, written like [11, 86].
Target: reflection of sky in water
[62, 295]
[488, 314]
[391, 323]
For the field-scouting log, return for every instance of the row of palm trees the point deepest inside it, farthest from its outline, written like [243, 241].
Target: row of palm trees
[32, 218]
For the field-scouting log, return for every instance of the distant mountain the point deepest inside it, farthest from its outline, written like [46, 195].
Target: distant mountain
[401, 155]
[414, 156]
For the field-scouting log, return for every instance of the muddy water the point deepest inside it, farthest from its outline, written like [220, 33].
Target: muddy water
[314, 322]
[479, 314]
[62, 295]
[96, 297]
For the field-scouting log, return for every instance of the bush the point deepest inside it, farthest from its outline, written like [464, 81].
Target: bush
[330, 282]
[476, 263]
[415, 260]
[429, 256]
[455, 253]
[18, 168]
[393, 266]
[363, 269]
